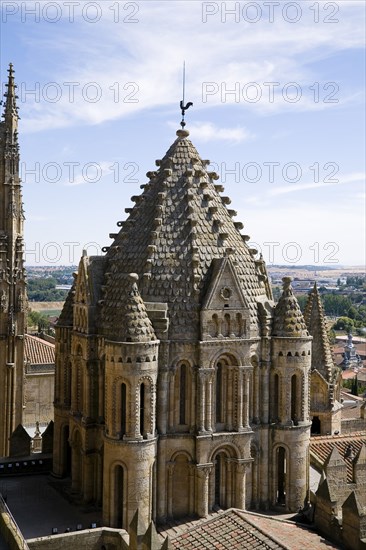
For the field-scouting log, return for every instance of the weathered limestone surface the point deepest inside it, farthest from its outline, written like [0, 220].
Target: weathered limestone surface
[174, 394]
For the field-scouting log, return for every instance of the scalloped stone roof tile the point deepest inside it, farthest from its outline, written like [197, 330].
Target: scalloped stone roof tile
[178, 225]
[288, 319]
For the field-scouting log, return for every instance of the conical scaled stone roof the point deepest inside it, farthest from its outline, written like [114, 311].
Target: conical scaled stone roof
[321, 357]
[130, 319]
[288, 320]
[178, 225]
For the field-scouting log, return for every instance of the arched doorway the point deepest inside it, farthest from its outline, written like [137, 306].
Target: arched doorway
[223, 487]
[118, 497]
[281, 476]
[220, 480]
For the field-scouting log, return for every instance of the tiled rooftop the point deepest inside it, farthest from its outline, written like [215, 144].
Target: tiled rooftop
[322, 446]
[38, 351]
[239, 530]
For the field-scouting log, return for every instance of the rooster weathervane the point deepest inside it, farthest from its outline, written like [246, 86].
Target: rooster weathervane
[183, 107]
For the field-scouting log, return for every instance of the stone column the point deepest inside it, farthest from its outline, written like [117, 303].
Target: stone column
[193, 413]
[229, 402]
[171, 401]
[229, 483]
[240, 400]
[203, 472]
[163, 401]
[256, 394]
[86, 389]
[246, 399]
[240, 469]
[201, 401]
[73, 381]
[101, 392]
[209, 405]
[264, 408]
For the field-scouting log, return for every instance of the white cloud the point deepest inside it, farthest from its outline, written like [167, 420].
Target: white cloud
[341, 180]
[114, 55]
[90, 173]
[207, 131]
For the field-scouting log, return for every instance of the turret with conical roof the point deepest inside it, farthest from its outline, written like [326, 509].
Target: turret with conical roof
[289, 395]
[13, 297]
[288, 319]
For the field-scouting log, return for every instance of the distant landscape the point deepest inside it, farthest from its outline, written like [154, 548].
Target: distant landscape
[343, 290]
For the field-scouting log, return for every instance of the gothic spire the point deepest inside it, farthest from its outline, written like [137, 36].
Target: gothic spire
[315, 321]
[11, 110]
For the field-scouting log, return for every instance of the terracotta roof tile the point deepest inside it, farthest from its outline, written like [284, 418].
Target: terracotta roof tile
[38, 351]
[240, 530]
[322, 446]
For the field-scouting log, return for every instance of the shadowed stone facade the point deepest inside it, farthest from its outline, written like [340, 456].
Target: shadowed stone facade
[180, 387]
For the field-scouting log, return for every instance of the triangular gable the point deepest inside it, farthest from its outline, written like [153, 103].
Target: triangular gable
[316, 375]
[224, 288]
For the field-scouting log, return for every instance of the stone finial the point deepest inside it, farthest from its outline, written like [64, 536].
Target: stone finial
[136, 530]
[182, 133]
[151, 539]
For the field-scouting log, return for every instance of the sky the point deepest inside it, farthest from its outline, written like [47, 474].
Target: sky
[278, 107]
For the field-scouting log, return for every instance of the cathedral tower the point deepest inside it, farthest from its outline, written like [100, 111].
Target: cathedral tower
[165, 362]
[13, 297]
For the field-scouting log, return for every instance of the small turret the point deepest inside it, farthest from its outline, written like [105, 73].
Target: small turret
[315, 321]
[289, 398]
[131, 371]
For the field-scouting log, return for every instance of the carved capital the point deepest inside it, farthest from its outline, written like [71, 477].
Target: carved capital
[204, 470]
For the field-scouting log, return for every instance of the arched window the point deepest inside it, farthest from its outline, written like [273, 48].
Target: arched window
[294, 398]
[67, 383]
[118, 497]
[219, 394]
[215, 325]
[227, 325]
[183, 394]
[222, 483]
[276, 398]
[123, 408]
[220, 480]
[142, 409]
[281, 476]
